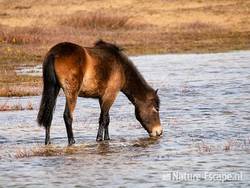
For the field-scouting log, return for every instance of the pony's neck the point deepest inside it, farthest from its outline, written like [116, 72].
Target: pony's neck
[135, 87]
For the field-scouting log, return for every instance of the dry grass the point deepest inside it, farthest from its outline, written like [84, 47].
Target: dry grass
[204, 147]
[97, 20]
[15, 107]
[20, 35]
[12, 84]
[201, 147]
[36, 152]
[227, 145]
[30, 28]
[19, 91]
[196, 27]
[40, 151]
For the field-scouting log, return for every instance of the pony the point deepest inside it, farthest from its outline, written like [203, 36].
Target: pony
[100, 72]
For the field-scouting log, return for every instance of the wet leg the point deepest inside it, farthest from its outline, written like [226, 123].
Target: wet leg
[103, 126]
[47, 137]
[68, 118]
[105, 103]
[106, 129]
[48, 124]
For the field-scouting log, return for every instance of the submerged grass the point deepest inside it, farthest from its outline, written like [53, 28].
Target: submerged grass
[228, 145]
[41, 150]
[15, 107]
[103, 148]
[38, 151]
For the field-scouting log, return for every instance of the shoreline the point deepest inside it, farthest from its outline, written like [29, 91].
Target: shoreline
[28, 29]
[31, 85]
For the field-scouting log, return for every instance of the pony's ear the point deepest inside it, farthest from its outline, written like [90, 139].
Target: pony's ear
[156, 91]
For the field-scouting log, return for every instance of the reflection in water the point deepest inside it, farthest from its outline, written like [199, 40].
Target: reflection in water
[146, 142]
[204, 112]
[103, 148]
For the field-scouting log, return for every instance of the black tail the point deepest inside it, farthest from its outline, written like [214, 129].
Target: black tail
[50, 91]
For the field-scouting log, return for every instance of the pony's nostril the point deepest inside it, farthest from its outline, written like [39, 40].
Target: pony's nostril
[156, 132]
[159, 133]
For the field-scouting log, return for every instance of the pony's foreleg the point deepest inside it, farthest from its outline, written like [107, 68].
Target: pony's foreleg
[68, 117]
[106, 130]
[105, 103]
[103, 125]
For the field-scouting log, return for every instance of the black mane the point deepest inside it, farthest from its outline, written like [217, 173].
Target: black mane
[109, 46]
[134, 80]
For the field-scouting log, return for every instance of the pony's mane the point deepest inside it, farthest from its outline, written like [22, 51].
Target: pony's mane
[133, 77]
[109, 46]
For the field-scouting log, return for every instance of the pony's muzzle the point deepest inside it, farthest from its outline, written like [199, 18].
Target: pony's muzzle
[156, 131]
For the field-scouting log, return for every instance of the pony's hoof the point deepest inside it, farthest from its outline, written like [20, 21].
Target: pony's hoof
[71, 142]
[98, 139]
[47, 142]
[106, 138]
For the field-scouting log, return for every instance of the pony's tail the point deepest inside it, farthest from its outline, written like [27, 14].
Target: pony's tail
[50, 91]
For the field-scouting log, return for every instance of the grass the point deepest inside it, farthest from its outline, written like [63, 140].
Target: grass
[200, 147]
[97, 20]
[19, 91]
[38, 151]
[12, 84]
[27, 31]
[20, 35]
[41, 150]
[225, 146]
[15, 107]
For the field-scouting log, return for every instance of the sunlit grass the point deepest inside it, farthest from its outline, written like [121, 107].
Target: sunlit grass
[98, 20]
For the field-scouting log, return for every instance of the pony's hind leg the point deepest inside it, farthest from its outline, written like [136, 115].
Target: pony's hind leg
[47, 135]
[68, 117]
[47, 125]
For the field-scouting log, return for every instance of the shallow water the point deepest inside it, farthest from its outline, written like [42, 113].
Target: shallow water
[205, 113]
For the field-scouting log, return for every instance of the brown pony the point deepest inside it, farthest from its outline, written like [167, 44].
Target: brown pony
[97, 72]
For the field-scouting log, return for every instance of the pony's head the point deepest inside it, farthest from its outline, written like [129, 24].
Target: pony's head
[147, 113]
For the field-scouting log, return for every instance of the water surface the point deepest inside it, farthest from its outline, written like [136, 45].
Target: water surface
[205, 113]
